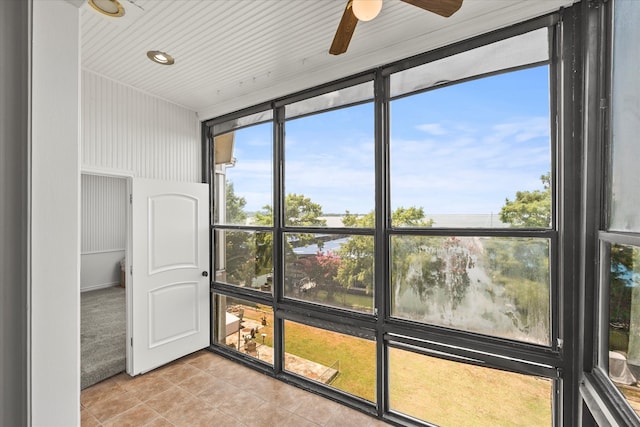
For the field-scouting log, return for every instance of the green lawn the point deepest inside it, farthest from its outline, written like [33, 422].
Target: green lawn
[357, 357]
[443, 392]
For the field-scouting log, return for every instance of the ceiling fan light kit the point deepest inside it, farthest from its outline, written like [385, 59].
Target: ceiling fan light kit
[366, 10]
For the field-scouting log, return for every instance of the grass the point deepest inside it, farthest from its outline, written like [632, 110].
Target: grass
[357, 356]
[428, 388]
[454, 394]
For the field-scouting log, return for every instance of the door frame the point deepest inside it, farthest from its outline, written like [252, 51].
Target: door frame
[128, 177]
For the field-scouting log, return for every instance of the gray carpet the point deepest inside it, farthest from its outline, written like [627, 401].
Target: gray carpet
[102, 334]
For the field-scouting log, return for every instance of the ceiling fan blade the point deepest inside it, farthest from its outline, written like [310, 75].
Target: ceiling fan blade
[345, 30]
[444, 8]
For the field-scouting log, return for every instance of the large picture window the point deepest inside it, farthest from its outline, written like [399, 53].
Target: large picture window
[400, 203]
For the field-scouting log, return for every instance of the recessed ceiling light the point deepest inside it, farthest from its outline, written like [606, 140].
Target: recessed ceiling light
[160, 57]
[111, 8]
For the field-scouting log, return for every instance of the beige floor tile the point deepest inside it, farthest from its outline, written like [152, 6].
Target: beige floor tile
[194, 414]
[230, 371]
[266, 415]
[265, 386]
[159, 422]
[218, 392]
[344, 416]
[146, 386]
[87, 419]
[223, 420]
[178, 372]
[204, 360]
[298, 421]
[197, 383]
[139, 415]
[169, 400]
[114, 406]
[288, 397]
[239, 403]
[102, 391]
[194, 355]
[317, 409]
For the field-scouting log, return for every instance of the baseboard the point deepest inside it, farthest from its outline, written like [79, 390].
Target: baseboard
[96, 287]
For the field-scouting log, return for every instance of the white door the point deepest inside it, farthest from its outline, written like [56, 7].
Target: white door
[169, 310]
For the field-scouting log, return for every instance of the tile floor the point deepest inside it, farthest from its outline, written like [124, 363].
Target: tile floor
[204, 389]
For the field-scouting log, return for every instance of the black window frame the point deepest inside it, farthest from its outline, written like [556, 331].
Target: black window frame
[603, 402]
[556, 361]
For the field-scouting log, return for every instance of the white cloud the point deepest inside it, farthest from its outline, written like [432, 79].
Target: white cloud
[432, 128]
[472, 169]
[520, 131]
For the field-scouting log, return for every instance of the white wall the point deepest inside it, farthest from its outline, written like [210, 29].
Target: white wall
[55, 189]
[128, 130]
[103, 230]
[100, 270]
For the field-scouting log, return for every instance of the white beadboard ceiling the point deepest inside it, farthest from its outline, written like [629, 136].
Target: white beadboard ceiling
[232, 54]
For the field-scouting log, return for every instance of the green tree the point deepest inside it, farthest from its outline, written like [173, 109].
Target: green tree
[300, 211]
[235, 206]
[530, 208]
[410, 217]
[239, 245]
[357, 254]
[521, 265]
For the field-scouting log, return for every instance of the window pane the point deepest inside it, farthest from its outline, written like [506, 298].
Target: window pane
[525, 49]
[329, 167]
[244, 258]
[337, 98]
[455, 394]
[475, 154]
[334, 270]
[341, 361]
[624, 322]
[244, 326]
[625, 117]
[243, 192]
[490, 285]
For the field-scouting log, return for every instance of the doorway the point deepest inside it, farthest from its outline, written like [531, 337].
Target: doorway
[104, 253]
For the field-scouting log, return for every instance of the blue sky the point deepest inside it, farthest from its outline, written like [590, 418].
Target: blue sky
[461, 149]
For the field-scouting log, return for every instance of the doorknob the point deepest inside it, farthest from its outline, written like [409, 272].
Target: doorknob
[205, 274]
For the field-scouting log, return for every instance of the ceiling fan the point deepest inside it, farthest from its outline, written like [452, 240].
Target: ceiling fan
[365, 10]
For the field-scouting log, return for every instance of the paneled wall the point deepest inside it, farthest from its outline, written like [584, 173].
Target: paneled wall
[103, 232]
[128, 130]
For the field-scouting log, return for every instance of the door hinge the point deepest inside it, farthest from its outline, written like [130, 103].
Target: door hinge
[131, 269]
[131, 198]
[131, 341]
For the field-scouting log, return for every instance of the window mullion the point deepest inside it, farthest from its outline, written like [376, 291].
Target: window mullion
[382, 209]
[278, 222]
